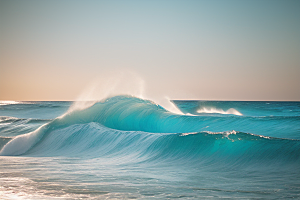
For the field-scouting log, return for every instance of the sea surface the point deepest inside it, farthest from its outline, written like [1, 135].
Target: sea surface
[130, 148]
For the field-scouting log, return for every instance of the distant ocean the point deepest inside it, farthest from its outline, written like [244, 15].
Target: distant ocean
[130, 148]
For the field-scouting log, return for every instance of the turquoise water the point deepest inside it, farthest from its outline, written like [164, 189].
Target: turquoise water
[131, 148]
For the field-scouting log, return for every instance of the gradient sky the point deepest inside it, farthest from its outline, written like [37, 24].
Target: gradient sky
[209, 50]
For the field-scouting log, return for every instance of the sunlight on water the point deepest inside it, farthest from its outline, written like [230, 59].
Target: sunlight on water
[2, 103]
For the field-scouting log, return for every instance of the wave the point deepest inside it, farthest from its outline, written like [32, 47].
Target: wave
[120, 112]
[227, 149]
[230, 111]
[124, 126]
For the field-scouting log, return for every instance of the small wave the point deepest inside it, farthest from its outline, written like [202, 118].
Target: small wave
[230, 111]
[8, 119]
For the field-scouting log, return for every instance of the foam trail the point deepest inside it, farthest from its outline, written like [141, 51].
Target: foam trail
[231, 111]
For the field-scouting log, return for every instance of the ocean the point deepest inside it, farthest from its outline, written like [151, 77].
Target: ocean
[130, 148]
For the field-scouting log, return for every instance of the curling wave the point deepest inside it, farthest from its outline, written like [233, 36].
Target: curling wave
[120, 112]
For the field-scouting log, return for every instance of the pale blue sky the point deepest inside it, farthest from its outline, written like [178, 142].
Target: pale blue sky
[217, 50]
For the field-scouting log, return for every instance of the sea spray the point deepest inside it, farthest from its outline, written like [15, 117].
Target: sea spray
[115, 83]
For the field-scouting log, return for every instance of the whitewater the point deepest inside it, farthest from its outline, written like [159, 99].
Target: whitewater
[124, 147]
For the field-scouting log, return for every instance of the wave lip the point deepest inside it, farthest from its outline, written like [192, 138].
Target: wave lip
[211, 110]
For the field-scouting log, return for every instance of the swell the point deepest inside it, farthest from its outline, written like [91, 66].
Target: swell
[226, 149]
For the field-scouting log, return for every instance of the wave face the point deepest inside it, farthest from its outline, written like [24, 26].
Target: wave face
[129, 131]
[226, 148]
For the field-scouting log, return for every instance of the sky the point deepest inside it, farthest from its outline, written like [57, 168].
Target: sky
[182, 49]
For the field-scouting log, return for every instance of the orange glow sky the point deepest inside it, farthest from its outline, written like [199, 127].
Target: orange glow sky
[210, 50]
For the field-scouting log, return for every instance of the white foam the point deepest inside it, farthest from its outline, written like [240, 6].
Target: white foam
[211, 110]
[225, 133]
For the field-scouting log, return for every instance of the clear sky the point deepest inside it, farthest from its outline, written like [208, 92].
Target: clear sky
[210, 50]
